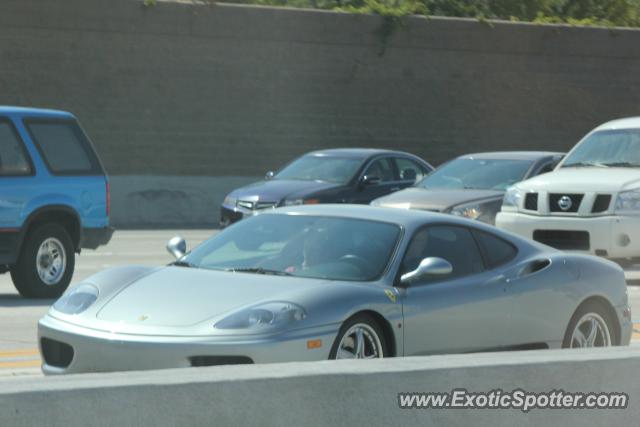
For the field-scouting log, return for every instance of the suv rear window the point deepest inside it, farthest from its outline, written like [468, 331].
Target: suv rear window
[13, 156]
[64, 147]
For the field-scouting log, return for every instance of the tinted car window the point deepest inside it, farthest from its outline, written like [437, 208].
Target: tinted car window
[381, 168]
[610, 147]
[546, 168]
[321, 168]
[484, 174]
[496, 251]
[300, 245]
[409, 170]
[454, 244]
[63, 146]
[13, 159]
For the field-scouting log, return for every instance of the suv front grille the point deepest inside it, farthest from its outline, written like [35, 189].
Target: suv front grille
[531, 201]
[602, 203]
[563, 239]
[569, 203]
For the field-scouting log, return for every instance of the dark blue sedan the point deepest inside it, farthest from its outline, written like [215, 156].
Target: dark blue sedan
[345, 175]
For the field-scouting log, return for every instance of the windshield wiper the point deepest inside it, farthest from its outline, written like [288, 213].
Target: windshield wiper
[622, 165]
[182, 264]
[586, 164]
[258, 270]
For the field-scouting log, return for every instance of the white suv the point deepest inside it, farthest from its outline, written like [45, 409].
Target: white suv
[591, 202]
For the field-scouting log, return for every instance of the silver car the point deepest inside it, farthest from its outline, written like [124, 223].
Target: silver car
[473, 185]
[337, 281]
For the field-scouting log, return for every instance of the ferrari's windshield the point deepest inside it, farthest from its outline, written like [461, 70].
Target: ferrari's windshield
[338, 170]
[484, 174]
[609, 148]
[299, 245]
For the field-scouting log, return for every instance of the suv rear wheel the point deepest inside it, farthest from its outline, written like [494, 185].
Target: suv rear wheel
[45, 266]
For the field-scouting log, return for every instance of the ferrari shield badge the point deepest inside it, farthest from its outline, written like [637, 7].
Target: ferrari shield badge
[391, 295]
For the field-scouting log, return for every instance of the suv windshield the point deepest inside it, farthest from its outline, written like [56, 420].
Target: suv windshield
[608, 148]
[481, 174]
[300, 245]
[321, 168]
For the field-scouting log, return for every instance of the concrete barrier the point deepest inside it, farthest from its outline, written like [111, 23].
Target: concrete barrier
[326, 393]
[139, 201]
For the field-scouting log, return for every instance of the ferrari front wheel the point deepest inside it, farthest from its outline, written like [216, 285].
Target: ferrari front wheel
[359, 338]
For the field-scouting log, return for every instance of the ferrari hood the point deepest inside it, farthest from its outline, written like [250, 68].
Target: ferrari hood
[179, 296]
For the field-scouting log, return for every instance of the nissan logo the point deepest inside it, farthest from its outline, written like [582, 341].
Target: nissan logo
[565, 203]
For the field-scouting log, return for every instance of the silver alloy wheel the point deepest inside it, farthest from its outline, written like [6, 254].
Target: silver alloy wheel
[360, 342]
[51, 261]
[591, 331]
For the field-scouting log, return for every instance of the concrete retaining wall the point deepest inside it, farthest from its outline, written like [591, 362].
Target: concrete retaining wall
[150, 201]
[326, 393]
[188, 89]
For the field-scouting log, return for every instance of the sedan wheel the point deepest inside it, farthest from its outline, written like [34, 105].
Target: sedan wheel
[589, 327]
[359, 338]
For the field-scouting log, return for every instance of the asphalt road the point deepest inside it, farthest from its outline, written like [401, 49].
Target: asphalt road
[18, 316]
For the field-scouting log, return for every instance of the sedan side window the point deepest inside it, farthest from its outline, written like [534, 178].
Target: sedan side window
[13, 159]
[451, 243]
[546, 168]
[409, 170]
[381, 168]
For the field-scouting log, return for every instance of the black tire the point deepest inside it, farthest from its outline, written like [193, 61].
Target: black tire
[363, 319]
[25, 273]
[595, 307]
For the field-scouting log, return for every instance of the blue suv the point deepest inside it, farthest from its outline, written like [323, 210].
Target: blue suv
[54, 199]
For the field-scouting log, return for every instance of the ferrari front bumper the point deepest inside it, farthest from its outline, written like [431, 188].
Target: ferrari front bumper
[100, 351]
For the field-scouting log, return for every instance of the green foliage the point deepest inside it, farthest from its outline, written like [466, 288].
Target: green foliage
[390, 8]
[625, 13]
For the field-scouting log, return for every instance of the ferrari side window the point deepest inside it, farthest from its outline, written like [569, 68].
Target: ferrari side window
[495, 250]
[451, 243]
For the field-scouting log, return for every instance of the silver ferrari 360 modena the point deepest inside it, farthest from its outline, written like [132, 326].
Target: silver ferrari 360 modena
[337, 281]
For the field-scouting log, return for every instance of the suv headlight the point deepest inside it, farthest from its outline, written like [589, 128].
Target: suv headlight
[77, 299]
[264, 315]
[512, 198]
[628, 201]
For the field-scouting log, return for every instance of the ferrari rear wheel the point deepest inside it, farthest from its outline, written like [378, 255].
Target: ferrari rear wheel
[359, 338]
[590, 326]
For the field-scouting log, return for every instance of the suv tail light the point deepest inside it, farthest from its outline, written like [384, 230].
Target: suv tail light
[108, 188]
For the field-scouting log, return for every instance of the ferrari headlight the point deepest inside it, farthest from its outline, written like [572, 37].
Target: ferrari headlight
[77, 299]
[229, 201]
[270, 314]
[469, 210]
[628, 201]
[512, 198]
